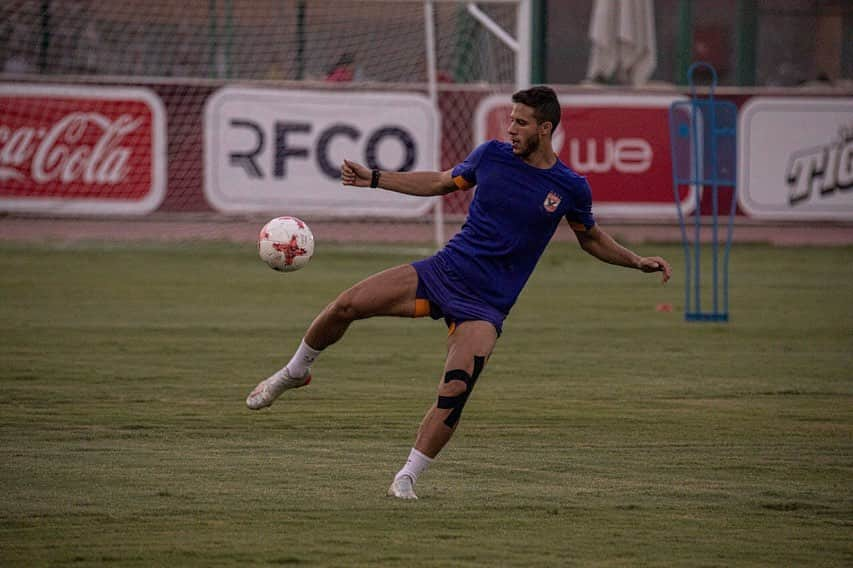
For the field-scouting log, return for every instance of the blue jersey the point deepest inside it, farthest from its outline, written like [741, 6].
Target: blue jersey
[515, 212]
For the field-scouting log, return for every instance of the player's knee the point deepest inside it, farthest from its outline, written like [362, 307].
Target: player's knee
[454, 387]
[454, 391]
[453, 394]
[344, 307]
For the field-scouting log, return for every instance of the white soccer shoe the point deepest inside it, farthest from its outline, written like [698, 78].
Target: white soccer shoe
[402, 488]
[271, 388]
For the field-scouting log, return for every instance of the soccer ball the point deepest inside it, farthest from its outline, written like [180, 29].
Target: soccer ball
[286, 244]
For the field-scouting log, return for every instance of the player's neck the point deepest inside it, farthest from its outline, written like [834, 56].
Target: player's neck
[543, 158]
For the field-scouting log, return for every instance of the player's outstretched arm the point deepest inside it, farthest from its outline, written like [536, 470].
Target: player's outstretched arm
[410, 183]
[602, 246]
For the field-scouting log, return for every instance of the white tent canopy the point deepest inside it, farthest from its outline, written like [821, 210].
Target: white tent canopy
[623, 46]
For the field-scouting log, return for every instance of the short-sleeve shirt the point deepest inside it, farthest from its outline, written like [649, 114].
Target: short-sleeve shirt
[515, 211]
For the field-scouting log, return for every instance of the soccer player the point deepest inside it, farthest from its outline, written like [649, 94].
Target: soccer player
[523, 192]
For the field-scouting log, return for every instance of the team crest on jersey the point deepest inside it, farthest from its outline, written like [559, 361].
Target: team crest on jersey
[552, 201]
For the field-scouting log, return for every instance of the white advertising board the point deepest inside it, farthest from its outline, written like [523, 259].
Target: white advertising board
[279, 152]
[796, 157]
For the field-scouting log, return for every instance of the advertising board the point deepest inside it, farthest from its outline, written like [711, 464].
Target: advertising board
[280, 152]
[796, 157]
[81, 150]
[620, 143]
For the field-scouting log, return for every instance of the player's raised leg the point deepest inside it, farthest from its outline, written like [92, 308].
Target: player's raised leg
[388, 293]
[468, 349]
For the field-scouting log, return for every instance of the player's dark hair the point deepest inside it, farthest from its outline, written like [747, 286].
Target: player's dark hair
[543, 101]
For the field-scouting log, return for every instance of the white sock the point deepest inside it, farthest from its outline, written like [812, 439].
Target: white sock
[415, 465]
[301, 360]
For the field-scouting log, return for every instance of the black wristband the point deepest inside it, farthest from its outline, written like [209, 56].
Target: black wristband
[374, 178]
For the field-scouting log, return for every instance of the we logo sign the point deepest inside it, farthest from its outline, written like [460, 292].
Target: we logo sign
[620, 143]
[624, 155]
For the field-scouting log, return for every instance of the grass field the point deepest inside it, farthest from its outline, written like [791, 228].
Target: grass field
[603, 432]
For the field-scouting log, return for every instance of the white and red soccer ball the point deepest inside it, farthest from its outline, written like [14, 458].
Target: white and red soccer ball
[286, 244]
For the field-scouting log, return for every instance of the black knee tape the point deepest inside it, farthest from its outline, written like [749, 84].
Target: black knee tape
[479, 363]
[457, 403]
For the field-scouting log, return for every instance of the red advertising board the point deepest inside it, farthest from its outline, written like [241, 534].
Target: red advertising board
[619, 142]
[81, 150]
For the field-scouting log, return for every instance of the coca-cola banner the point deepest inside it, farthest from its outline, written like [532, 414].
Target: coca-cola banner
[81, 150]
[620, 143]
[796, 158]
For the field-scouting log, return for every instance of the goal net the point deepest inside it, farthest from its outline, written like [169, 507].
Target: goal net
[222, 113]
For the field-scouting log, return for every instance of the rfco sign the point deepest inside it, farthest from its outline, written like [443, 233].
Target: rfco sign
[280, 151]
[619, 142]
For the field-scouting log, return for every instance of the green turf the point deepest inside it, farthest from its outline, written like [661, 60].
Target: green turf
[602, 433]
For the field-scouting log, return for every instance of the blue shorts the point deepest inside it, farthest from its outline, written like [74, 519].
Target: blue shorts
[449, 297]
